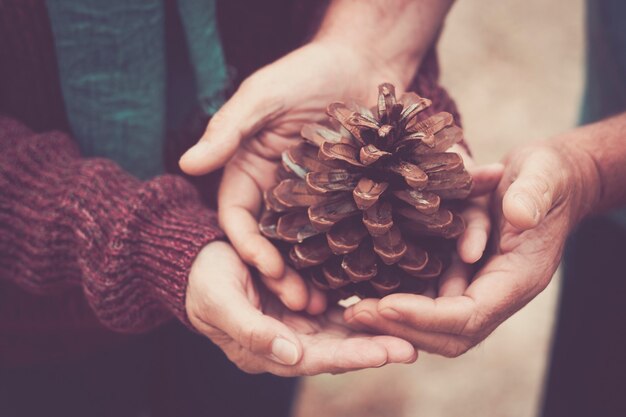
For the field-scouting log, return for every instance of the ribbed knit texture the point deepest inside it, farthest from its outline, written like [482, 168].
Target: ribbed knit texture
[71, 222]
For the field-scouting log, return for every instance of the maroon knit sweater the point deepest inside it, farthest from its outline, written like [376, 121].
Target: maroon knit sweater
[88, 252]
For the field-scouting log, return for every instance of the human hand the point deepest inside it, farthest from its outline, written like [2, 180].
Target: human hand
[259, 334]
[259, 122]
[545, 190]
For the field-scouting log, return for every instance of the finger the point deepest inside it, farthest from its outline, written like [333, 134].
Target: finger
[340, 355]
[472, 243]
[291, 289]
[242, 229]
[258, 333]
[501, 287]
[443, 315]
[239, 201]
[455, 279]
[431, 289]
[230, 309]
[366, 315]
[533, 193]
[334, 349]
[248, 110]
[318, 301]
[397, 350]
[353, 352]
[485, 178]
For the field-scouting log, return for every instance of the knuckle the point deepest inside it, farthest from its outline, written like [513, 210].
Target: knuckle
[539, 186]
[449, 349]
[540, 152]
[471, 328]
[252, 338]
[475, 325]
[470, 324]
[454, 348]
[551, 157]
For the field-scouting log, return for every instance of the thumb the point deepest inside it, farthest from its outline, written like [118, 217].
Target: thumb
[247, 111]
[232, 309]
[534, 192]
[256, 332]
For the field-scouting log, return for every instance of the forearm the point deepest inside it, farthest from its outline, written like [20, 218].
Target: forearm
[600, 154]
[66, 221]
[397, 32]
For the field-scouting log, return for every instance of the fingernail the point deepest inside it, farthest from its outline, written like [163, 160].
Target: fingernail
[283, 351]
[390, 313]
[528, 205]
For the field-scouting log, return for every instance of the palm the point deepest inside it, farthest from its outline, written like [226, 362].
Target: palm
[245, 327]
[519, 266]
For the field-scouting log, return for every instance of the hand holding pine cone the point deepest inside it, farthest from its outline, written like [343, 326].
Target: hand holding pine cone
[367, 205]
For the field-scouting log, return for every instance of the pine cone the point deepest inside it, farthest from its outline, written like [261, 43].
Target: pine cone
[366, 206]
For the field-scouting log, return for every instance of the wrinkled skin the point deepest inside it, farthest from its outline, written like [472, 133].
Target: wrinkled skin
[226, 305]
[545, 190]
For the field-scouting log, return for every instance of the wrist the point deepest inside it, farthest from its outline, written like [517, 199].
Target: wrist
[361, 60]
[194, 297]
[583, 175]
[398, 66]
[394, 35]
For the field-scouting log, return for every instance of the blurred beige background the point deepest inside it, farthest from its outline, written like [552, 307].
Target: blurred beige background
[515, 68]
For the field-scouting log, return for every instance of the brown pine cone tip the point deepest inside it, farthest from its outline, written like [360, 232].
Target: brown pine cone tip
[366, 205]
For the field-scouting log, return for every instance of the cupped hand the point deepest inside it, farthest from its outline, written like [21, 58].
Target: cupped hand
[259, 334]
[544, 192]
[260, 121]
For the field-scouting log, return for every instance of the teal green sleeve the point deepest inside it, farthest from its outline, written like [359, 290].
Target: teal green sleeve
[199, 21]
[124, 88]
[111, 61]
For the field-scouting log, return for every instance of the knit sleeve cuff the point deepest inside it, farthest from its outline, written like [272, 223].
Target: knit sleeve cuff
[69, 221]
[143, 278]
[168, 243]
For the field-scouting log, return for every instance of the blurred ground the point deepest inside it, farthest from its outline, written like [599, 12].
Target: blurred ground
[515, 69]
